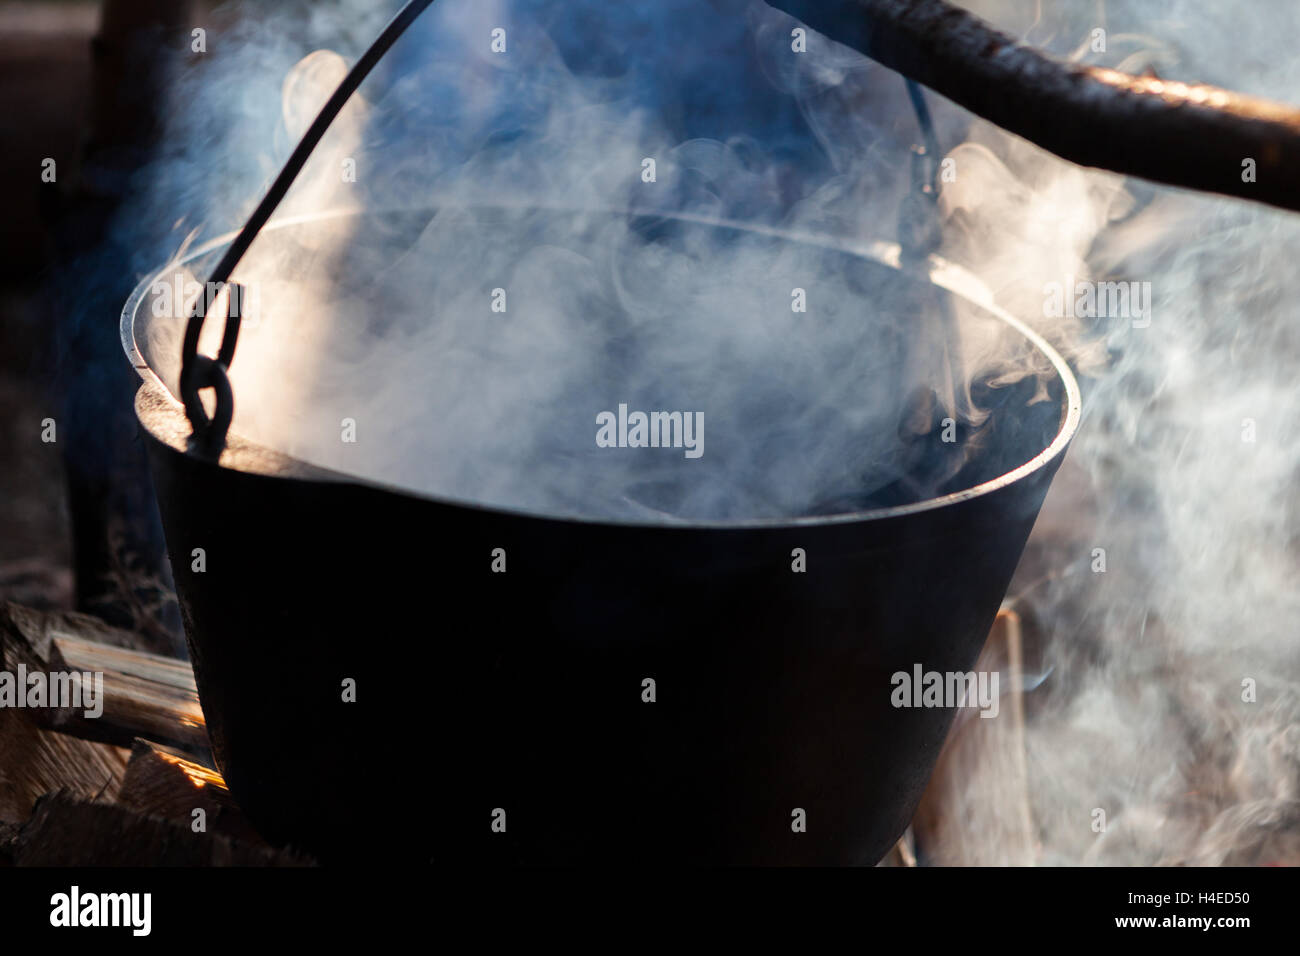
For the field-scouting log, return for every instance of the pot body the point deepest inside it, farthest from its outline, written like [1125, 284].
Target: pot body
[480, 689]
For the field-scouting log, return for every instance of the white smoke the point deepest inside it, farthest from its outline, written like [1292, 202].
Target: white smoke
[804, 364]
[1185, 471]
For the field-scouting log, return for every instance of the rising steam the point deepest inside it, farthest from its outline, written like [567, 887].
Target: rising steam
[1184, 472]
[475, 342]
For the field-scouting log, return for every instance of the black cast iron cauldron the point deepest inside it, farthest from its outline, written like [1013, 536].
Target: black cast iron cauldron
[523, 691]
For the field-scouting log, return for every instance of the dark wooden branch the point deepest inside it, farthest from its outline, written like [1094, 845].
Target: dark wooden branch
[1184, 135]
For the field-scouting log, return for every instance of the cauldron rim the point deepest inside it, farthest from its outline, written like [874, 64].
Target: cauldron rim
[933, 269]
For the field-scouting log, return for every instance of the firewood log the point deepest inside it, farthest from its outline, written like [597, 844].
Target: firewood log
[145, 695]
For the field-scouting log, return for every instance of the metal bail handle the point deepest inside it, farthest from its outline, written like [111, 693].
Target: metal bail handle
[201, 371]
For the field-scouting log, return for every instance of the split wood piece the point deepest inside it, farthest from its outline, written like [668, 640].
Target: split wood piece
[34, 761]
[69, 831]
[957, 824]
[145, 695]
[1183, 134]
[164, 782]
